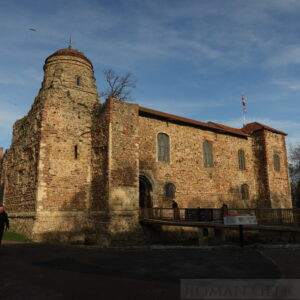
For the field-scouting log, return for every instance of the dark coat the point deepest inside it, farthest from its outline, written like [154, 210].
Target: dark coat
[174, 204]
[4, 222]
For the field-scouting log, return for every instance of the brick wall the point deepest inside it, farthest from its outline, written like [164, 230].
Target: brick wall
[20, 163]
[65, 154]
[279, 186]
[123, 171]
[100, 158]
[200, 186]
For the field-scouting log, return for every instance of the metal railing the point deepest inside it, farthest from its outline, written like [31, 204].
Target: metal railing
[265, 216]
[272, 216]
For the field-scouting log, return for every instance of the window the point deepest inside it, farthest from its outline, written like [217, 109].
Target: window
[207, 154]
[170, 191]
[75, 151]
[78, 80]
[241, 158]
[276, 162]
[163, 147]
[245, 191]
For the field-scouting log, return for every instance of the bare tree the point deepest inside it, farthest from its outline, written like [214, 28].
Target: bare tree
[294, 168]
[119, 87]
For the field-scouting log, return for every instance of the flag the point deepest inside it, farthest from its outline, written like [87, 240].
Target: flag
[244, 104]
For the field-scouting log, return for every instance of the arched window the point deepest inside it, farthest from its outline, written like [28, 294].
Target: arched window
[276, 162]
[78, 80]
[245, 191]
[170, 191]
[207, 154]
[163, 147]
[241, 158]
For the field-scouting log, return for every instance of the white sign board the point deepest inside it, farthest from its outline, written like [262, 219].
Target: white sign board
[240, 220]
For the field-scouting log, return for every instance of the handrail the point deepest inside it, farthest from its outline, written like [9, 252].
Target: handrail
[265, 216]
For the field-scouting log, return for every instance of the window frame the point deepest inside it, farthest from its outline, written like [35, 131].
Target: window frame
[208, 157]
[78, 81]
[242, 159]
[276, 162]
[158, 147]
[245, 191]
[170, 188]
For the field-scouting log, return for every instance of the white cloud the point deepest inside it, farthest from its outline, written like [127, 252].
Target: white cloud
[292, 84]
[285, 56]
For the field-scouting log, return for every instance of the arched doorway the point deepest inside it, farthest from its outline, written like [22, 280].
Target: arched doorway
[145, 192]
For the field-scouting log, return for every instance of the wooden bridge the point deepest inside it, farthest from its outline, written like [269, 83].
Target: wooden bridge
[268, 219]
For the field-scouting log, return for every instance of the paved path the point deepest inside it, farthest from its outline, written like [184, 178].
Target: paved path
[39, 271]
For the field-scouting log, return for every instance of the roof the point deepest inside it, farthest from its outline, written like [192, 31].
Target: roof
[213, 126]
[255, 126]
[69, 52]
[231, 129]
[186, 121]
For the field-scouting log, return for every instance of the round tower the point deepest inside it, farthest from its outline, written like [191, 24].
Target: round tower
[70, 70]
[66, 104]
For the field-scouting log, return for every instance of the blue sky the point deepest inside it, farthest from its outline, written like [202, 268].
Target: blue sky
[192, 58]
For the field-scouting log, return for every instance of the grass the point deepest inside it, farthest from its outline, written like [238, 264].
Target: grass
[16, 237]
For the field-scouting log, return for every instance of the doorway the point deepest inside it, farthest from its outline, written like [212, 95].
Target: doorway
[145, 192]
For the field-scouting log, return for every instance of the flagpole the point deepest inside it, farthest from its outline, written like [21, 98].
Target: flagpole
[244, 109]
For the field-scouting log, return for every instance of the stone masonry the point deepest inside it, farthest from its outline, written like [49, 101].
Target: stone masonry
[74, 169]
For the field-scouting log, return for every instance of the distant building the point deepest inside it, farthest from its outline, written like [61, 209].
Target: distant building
[79, 170]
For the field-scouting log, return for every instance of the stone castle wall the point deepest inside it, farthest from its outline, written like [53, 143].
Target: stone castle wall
[19, 176]
[124, 171]
[200, 186]
[100, 158]
[196, 185]
[1, 179]
[72, 172]
[19, 172]
[65, 169]
[261, 171]
[279, 184]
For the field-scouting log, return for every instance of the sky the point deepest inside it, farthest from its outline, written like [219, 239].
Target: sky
[193, 58]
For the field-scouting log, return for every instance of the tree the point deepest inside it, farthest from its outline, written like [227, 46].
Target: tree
[294, 168]
[119, 87]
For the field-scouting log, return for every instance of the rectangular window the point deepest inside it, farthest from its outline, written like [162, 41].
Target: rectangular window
[207, 154]
[163, 147]
[76, 152]
[245, 191]
[241, 158]
[276, 162]
[78, 80]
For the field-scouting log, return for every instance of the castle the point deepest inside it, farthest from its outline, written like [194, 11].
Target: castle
[78, 169]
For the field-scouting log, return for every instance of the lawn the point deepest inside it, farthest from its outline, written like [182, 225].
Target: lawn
[13, 236]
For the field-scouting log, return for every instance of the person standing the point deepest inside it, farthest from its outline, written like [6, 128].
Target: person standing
[4, 222]
[176, 211]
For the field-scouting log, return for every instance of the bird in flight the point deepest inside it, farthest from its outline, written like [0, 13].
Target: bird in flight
[31, 29]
